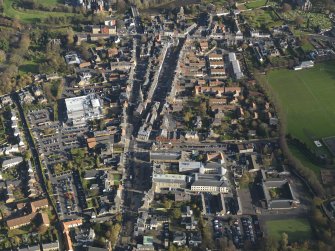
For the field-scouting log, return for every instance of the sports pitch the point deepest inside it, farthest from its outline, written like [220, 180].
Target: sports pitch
[297, 229]
[308, 99]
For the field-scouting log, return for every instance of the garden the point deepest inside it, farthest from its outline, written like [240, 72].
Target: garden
[264, 19]
[315, 19]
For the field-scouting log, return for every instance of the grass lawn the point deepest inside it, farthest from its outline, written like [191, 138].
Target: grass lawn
[296, 229]
[17, 231]
[29, 66]
[305, 160]
[49, 2]
[261, 18]
[315, 19]
[307, 97]
[255, 4]
[29, 16]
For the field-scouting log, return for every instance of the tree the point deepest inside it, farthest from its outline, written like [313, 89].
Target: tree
[167, 204]
[70, 37]
[116, 228]
[2, 56]
[299, 21]
[58, 168]
[121, 6]
[283, 242]
[27, 155]
[4, 44]
[176, 213]
[188, 116]
[286, 7]
[101, 42]
[270, 244]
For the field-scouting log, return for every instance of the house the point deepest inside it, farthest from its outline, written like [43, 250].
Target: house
[39, 204]
[25, 220]
[304, 65]
[90, 248]
[83, 108]
[236, 65]
[168, 181]
[278, 193]
[189, 166]
[91, 142]
[11, 162]
[304, 5]
[195, 239]
[112, 52]
[30, 248]
[6, 100]
[181, 196]
[84, 64]
[179, 239]
[165, 157]
[20, 221]
[254, 165]
[189, 223]
[204, 45]
[66, 230]
[245, 148]
[209, 183]
[215, 57]
[216, 64]
[103, 29]
[44, 219]
[72, 58]
[53, 246]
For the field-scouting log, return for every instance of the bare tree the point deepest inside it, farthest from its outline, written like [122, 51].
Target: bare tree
[299, 21]
[286, 7]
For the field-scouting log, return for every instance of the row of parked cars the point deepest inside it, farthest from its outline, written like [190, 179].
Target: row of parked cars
[246, 228]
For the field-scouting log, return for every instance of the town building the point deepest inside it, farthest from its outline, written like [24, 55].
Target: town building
[84, 108]
[11, 162]
[168, 181]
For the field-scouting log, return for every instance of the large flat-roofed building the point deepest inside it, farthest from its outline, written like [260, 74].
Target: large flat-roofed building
[189, 166]
[209, 183]
[168, 181]
[11, 162]
[81, 109]
[236, 65]
[167, 157]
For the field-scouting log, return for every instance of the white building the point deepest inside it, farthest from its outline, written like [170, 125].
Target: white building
[236, 65]
[168, 181]
[8, 163]
[210, 184]
[304, 65]
[84, 108]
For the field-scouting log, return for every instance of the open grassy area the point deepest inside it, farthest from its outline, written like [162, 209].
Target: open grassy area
[255, 4]
[29, 16]
[29, 67]
[49, 2]
[315, 19]
[262, 18]
[307, 97]
[304, 160]
[296, 229]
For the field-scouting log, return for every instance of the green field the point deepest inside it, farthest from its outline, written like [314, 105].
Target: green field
[307, 97]
[296, 229]
[30, 16]
[255, 4]
[259, 18]
[315, 19]
[305, 160]
[49, 2]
